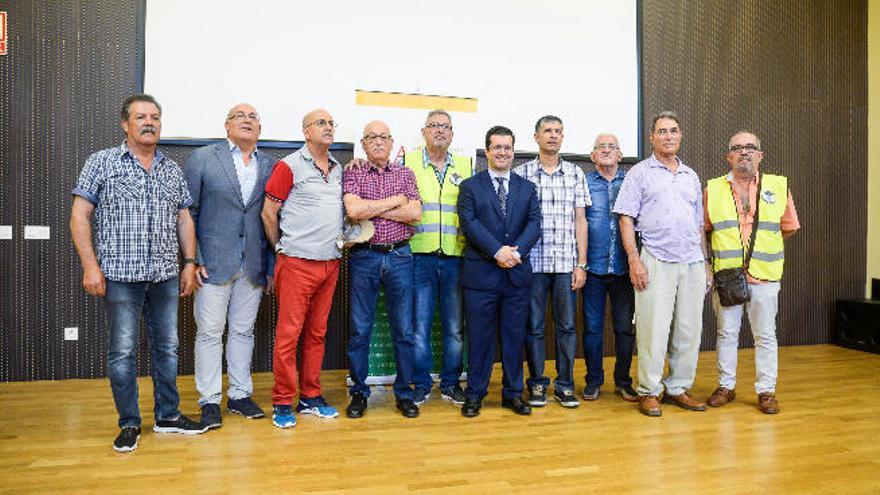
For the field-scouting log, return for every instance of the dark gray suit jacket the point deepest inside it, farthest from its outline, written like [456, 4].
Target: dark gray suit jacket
[227, 225]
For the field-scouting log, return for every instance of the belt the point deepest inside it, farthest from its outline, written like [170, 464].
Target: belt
[382, 248]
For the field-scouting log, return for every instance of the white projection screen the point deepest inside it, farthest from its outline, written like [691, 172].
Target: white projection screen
[518, 59]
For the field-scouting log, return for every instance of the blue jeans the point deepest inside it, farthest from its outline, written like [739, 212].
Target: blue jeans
[436, 284]
[394, 270]
[124, 303]
[559, 285]
[620, 290]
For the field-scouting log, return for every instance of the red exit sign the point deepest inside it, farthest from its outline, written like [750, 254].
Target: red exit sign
[4, 34]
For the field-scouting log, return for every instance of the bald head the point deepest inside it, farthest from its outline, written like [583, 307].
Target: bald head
[319, 128]
[377, 142]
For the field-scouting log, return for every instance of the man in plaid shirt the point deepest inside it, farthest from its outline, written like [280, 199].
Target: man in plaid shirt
[558, 261]
[141, 205]
[385, 193]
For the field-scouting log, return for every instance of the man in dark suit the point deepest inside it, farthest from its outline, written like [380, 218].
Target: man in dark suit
[501, 219]
[226, 181]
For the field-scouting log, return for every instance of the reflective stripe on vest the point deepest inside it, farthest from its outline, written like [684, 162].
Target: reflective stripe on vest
[768, 256]
[438, 230]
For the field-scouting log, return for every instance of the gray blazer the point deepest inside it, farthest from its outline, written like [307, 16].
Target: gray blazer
[227, 225]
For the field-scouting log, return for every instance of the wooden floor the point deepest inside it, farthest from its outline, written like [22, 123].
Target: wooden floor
[56, 437]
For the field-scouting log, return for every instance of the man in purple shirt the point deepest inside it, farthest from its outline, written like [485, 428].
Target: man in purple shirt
[385, 193]
[661, 198]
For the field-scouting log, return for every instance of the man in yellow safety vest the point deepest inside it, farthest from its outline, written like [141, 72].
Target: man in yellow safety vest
[731, 203]
[437, 247]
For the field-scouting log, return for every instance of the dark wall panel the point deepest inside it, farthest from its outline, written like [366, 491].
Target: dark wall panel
[793, 71]
[796, 74]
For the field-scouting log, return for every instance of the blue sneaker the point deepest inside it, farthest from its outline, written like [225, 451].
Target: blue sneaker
[282, 416]
[317, 406]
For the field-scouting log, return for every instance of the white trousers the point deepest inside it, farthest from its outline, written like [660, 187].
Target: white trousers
[237, 303]
[762, 318]
[672, 301]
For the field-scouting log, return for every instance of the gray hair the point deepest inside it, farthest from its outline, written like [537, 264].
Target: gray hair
[745, 131]
[665, 114]
[439, 111]
[546, 120]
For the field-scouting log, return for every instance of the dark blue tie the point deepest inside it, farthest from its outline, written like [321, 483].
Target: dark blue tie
[502, 195]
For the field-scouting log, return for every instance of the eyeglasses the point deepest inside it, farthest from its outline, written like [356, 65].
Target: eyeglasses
[243, 116]
[748, 148]
[436, 125]
[501, 147]
[381, 137]
[322, 123]
[606, 146]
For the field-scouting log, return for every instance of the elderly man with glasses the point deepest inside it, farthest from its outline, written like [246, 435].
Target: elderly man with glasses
[607, 275]
[386, 194]
[302, 215]
[226, 181]
[738, 203]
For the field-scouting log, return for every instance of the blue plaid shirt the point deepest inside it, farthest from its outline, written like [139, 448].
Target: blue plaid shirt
[605, 254]
[559, 194]
[135, 213]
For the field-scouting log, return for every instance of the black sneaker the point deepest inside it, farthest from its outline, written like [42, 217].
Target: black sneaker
[357, 406]
[538, 396]
[127, 440]
[246, 407]
[181, 424]
[566, 398]
[211, 416]
[453, 394]
[421, 396]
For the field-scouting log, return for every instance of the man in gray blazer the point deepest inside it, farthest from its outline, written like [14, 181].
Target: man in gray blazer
[235, 262]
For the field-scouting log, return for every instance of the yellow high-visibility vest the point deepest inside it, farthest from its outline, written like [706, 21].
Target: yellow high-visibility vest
[768, 255]
[438, 231]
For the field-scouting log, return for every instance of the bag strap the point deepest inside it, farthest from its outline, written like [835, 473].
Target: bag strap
[755, 220]
[748, 254]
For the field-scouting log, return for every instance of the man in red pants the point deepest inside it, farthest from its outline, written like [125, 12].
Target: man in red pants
[302, 215]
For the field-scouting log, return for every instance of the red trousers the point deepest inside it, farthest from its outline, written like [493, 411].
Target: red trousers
[304, 290]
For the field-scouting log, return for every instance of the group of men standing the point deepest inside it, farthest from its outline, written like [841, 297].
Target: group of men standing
[485, 251]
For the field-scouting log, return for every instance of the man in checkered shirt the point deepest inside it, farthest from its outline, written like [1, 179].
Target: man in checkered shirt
[141, 205]
[386, 194]
[559, 261]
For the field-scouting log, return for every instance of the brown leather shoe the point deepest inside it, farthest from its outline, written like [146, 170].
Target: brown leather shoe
[684, 401]
[767, 403]
[721, 396]
[649, 405]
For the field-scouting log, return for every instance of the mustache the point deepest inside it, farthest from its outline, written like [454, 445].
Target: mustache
[148, 129]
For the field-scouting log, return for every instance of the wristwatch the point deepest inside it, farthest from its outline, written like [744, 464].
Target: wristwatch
[187, 261]
[582, 266]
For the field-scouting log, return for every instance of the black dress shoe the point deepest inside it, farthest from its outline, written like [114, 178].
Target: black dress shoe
[471, 408]
[517, 405]
[408, 408]
[357, 406]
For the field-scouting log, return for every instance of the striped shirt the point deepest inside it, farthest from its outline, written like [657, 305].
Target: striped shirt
[559, 194]
[135, 213]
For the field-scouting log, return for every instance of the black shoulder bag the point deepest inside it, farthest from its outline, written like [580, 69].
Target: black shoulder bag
[731, 283]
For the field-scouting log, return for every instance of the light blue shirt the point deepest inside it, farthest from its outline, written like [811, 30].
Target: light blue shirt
[426, 160]
[504, 175]
[247, 173]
